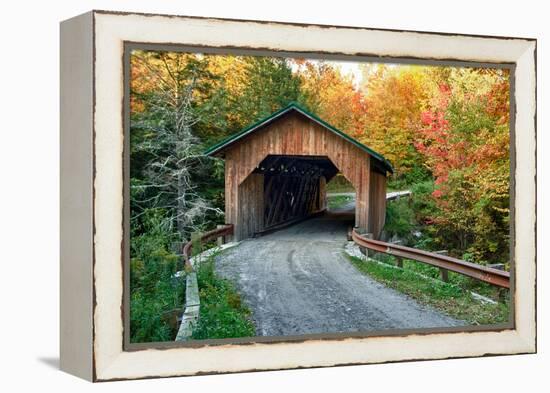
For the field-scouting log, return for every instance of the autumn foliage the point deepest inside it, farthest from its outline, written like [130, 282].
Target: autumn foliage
[464, 140]
[444, 127]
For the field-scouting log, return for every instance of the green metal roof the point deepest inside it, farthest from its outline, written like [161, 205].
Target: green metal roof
[218, 147]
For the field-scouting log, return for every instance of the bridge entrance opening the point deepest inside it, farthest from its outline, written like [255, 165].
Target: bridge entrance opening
[294, 187]
[286, 189]
[340, 194]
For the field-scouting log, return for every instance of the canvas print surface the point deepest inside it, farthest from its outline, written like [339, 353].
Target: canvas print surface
[289, 197]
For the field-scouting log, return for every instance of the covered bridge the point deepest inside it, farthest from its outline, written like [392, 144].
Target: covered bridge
[277, 169]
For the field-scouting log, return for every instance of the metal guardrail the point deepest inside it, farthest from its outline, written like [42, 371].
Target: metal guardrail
[486, 274]
[223, 230]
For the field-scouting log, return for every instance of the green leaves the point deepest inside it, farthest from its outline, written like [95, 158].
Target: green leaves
[222, 314]
[269, 85]
[154, 291]
[399, 219]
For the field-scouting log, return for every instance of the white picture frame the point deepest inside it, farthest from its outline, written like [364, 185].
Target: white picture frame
[92, 194]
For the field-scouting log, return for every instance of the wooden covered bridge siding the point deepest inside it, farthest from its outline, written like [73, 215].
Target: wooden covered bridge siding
[294, 139]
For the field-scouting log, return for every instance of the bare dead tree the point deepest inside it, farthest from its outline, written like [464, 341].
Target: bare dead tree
[172, 112]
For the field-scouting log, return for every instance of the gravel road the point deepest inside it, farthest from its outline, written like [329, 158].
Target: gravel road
[297, 281]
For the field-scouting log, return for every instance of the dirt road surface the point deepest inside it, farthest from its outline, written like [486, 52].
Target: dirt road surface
[297, 281]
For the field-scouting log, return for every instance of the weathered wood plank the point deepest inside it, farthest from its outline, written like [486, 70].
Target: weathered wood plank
[295, 135]
[322, 193]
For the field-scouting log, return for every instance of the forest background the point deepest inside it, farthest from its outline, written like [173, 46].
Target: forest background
[445, 130]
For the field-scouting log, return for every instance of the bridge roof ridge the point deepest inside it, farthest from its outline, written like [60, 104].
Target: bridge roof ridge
[294, 106]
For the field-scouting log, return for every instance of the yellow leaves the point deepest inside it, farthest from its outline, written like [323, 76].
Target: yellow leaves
[332, 96]
[501, 210]
[233, 70]
[395, 97]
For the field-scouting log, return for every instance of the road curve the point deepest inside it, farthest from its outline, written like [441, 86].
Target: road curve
[297, 281]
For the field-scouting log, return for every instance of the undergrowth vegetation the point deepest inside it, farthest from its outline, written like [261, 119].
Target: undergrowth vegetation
[413, 221]
[222, 313]
[408, 221]
[454, 300]
[156, 295]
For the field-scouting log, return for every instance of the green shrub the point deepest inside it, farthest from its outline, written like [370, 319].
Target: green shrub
[399, 219]
[156, 296]
[222, 314]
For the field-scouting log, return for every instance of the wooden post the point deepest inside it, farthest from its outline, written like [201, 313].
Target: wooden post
[443, 273]
[361, 231]
[398, 262]
[220, 240]
[196, 245]
[366, 250]
[502, 294]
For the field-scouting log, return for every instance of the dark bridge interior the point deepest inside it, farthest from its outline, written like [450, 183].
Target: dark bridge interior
[294, 187]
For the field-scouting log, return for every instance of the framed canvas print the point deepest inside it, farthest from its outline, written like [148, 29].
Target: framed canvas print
[246, 195]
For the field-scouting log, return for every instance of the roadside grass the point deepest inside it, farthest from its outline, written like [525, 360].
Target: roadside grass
[336, 201]
[222, 313]
[459, 280]
[454, 300]
[464, 282]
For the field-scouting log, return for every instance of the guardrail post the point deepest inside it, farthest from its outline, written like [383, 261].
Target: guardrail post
[196, 244]
[221, 239]
[367, 253]
[360, 231]
[398, 262]
[443, 273]
[349, 237]
[502, 294]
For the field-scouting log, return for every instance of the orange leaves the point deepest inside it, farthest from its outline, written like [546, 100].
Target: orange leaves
[395, 98]
[464, 140]
[498, 101]
[332, 96]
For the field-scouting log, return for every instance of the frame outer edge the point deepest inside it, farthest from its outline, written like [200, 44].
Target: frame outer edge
[526, 236]
[76, 196]
[115, 364]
